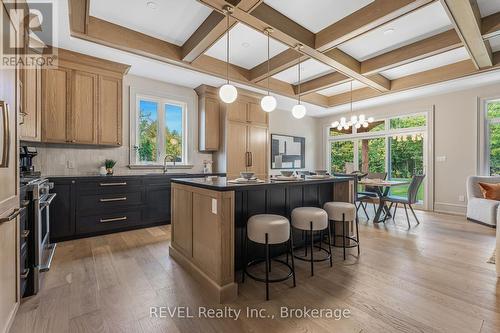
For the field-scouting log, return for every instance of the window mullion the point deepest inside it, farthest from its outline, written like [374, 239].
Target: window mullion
[161, 132]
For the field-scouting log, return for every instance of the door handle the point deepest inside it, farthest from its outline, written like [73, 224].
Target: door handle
[4, 162]
[113, 199]
[25, 274]
[12, 216]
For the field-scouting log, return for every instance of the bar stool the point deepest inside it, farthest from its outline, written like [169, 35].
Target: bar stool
[268, 229]
[312, 219]
[343, 212]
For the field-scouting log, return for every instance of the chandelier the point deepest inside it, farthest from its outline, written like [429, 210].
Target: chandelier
[408, 137]
[355, 121]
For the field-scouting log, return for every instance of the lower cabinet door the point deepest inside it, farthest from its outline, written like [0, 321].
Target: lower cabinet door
[62, 210]
[157, 201]
[107, 222]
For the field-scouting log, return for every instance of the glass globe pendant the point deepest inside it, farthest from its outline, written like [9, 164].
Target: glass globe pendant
[228, 93]
[268, 103]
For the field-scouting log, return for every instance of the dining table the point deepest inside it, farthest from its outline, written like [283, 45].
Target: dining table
[382, 189]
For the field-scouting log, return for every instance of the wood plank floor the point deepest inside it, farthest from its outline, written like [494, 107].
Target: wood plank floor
[431, 278]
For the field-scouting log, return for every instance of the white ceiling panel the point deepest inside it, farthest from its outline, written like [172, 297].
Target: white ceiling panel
[495, 44]
[170, 20]
[310, 69]
[342, 88]
[420, 24]
[248, 47]
[316, 15]
[488, 7]
[439, 60]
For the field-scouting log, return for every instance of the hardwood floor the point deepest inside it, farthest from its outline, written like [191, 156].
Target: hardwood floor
[431, 278]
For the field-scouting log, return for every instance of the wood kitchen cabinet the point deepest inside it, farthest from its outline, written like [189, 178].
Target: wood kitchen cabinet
[30, 126]
[81, 101]
[209, 112]
[245, 143]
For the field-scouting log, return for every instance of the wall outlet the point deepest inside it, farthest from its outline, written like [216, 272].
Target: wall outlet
[70, 164]
[440, 158]
[214, 206]
[461, 198]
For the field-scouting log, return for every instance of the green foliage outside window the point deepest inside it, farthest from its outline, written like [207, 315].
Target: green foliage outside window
[148, 131]
[376, 155]
[494, 137]
[408, 122]
[341, 152]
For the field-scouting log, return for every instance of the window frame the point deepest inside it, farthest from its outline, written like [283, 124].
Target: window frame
[484, 123]
[161, 100]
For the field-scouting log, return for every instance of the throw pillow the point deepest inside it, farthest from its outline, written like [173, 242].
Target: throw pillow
[490, 191]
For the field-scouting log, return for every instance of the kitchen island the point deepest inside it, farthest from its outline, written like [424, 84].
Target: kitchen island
[209, 220]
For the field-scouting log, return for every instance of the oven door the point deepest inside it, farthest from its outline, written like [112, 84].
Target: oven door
[46, 250]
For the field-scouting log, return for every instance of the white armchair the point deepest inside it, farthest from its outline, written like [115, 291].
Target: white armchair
[479, 209]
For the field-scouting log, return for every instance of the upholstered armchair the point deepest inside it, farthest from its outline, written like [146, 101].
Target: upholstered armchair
[479, 209]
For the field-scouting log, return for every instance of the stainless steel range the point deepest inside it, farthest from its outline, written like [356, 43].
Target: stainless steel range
[39, 199]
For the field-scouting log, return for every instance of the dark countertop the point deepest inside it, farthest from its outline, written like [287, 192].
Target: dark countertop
[221, 183]
[167, 175]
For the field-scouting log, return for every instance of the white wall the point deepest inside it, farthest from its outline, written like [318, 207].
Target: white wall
[455, 137]
[282, 122]
[52, 159]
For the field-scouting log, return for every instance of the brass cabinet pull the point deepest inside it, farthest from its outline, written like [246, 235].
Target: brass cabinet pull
[251, 159]
[113, 199]
[25, 233]
[11, 216]
[113, 184]
[4, 161]
[124, 218]
[25, 274]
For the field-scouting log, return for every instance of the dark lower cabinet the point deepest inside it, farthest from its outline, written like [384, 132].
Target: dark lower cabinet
[62, 209]
[89, 206]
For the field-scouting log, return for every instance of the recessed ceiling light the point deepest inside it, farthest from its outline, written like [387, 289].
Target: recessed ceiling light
[152, 5]
[389, 31]
[245, 45]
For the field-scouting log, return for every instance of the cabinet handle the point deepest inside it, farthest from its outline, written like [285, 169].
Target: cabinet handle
[113, 199]
[25, 233]
[4, 162]
[113, 184]
[25, 203]
[25, 274]
[124, 218]
[11, 216]
[251, 159]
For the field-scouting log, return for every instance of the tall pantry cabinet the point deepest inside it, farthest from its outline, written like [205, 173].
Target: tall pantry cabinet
[244, 134]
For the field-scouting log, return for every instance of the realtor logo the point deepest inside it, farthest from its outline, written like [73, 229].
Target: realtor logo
[28, 35]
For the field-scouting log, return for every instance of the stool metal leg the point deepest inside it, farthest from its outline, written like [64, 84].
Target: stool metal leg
[343, 233]
[267, 267]
[329, 244]
[291, 253]
[332, 222]
[357, 232]
[312, 245]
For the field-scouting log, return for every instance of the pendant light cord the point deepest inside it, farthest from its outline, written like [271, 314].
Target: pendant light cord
[351, 96]
[227, 49]
[268, 65]
[299, 78]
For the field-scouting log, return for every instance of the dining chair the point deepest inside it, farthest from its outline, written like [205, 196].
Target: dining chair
[369, 195]
[409, 200]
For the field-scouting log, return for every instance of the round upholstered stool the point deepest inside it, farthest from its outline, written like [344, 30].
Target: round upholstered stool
[343, 212]
[311, 219]
[268, 229]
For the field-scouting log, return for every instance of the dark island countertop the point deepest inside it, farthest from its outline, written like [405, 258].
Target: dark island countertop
[222, 184]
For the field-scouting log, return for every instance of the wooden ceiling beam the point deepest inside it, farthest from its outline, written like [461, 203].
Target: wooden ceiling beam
[490, 26]
[365, 19]
[291, 34]
[211, 30]
[277, 64]
[118, 37]
[425, 48]
[79, 15]
[465, 16]
[445, 73]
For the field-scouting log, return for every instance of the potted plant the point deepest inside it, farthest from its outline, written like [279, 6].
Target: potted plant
[109, 164]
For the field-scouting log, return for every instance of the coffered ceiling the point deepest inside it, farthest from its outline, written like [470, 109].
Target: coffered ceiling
[385, 46]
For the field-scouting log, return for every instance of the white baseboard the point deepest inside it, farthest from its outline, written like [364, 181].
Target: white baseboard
[450, 208]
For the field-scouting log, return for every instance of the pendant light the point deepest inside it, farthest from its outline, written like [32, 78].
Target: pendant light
[299, 110]
[355, 121]
[227, 92]
[268, 102]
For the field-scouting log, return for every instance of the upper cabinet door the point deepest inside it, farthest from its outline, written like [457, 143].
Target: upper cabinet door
[256, 115]
[56, 100]
[84, 108]
[110, 111]
[237, 150]
[30, 129]
[210, 129]
[237, 111]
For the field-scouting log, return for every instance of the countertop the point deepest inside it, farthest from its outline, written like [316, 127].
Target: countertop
[168, 175]
[222, 184]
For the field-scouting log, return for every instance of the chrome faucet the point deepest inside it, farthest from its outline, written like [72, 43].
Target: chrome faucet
[172, 159]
